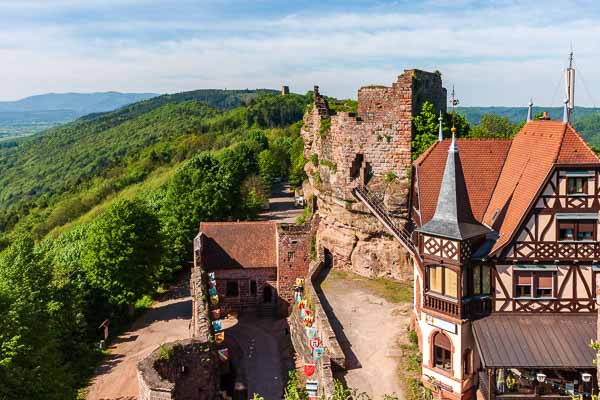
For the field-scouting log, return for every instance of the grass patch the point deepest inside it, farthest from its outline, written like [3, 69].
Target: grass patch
[392, 291]
[144, 303]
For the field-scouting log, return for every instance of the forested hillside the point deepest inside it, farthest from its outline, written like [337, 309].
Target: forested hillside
[98, 214]
[586, 120]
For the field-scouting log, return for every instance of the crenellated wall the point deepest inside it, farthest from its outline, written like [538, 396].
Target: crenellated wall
[372, 148]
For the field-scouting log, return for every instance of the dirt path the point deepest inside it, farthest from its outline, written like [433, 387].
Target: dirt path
[281, 205]
[370, 330]
[166, 321]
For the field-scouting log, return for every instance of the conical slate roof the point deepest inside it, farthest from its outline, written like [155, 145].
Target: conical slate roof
[453, 216]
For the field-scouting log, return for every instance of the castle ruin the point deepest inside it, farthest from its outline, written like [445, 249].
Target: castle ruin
[370, 148]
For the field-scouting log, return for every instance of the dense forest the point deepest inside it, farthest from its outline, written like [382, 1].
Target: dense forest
[99, 213]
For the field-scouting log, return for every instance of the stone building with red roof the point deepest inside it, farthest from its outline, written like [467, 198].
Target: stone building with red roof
[255, 263]
[507, 250]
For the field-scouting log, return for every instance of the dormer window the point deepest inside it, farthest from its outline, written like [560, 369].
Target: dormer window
[576, 185]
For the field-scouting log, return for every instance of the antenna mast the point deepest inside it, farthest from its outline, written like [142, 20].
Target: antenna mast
[570, 87]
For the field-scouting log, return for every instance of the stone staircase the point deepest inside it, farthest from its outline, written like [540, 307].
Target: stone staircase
[266, 310]
[374, 204]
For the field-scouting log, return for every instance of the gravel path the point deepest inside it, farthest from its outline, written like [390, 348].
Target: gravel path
[166, 321]
[370, 330]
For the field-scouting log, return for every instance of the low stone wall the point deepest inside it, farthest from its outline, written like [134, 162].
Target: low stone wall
[180, 370]
[333, 352]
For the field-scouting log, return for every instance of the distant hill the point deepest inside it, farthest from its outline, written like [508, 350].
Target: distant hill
[586, 120]
[518, 114]
[36, 113]
[78, 103]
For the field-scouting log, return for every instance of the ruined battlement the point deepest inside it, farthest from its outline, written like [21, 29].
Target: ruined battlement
[371, 148]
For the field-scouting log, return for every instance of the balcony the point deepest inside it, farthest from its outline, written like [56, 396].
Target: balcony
[469, 308]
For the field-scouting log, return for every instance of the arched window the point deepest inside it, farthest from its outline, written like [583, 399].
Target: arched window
[442, 352]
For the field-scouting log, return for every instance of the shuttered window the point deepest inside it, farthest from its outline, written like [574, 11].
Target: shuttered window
[451, 289]
[545, 284]
[442, 280]
[534, 284]
[577, 230]
[523, 287]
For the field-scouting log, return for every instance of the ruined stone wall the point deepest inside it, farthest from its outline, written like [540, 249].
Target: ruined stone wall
[293, 244]
[185, 369]
[200, 323]
[368, 148]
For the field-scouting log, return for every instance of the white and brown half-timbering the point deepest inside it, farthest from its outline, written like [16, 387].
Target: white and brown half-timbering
[508, 243]
[255, 263]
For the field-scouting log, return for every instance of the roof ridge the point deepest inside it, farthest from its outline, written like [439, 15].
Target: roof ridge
[562, 141]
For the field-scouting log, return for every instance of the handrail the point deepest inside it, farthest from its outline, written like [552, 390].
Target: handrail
[376, 208]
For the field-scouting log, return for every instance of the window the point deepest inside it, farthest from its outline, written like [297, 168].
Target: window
[538, 284]
[477, 281]
[524, 284]
[442, 280]
[290, 256]
[442, 352]
[576, 185]
[576, 230]
[232, 289]
[545, 284]
[253, 288]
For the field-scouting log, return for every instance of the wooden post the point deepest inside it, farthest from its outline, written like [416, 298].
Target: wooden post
[491, 383]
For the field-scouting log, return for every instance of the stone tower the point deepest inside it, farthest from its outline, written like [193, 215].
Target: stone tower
[370, 147]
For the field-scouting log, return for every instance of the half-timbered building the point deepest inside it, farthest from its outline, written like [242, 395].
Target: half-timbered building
[508, 245]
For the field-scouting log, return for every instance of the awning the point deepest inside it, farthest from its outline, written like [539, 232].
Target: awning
[535, 267]
[577, 173]
[536, 340]
[576, 215]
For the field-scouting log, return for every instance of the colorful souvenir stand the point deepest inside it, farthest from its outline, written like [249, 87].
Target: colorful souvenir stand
[215, 316]
[314, 342]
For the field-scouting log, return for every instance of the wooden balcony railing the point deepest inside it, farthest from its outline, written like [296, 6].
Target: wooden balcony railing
[557, 250]
[466, 309]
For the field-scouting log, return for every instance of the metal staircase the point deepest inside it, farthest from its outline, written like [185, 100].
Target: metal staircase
[374, 204]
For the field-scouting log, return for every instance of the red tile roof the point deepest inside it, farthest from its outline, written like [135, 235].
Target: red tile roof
[503, 176]
[575, 150]
[533, 154]
[481, 161]
[238, 245]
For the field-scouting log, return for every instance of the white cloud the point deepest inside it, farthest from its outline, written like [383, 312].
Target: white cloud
[495, 56]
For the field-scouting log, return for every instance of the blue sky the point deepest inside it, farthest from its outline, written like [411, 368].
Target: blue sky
[494, 52]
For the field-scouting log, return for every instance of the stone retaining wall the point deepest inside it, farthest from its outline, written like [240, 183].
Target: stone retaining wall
[333, 352]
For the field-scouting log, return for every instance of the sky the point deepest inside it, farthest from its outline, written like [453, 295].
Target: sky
[497, 52]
